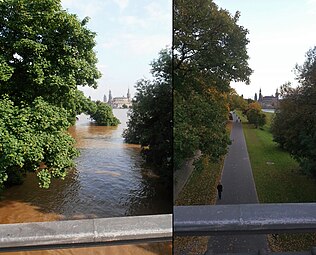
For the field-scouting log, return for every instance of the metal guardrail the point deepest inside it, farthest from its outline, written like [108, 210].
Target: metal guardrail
[244, 219]
[83, 233]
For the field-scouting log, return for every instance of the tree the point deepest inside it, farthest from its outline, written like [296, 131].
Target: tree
[46, 52]
[32, 136]
[294, 126]
[209, 52]
[207, 40]
[200, 124]
[255, 115]
[236, 101]
[103, 115]
[150, 118]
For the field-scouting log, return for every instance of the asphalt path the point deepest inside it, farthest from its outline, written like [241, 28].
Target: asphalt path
[238, 188]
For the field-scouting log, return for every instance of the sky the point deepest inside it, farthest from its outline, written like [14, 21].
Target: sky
[280, 33]
[130, 35]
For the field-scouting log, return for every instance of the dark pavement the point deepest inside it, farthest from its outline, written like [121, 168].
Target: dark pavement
[238, 188]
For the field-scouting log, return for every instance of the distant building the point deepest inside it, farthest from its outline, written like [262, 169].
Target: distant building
[268, 102]
[120, 102]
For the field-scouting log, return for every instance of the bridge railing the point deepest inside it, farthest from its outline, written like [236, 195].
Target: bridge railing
[246, 219]
[83, 233]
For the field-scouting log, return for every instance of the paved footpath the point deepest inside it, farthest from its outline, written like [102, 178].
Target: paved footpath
[238, 188]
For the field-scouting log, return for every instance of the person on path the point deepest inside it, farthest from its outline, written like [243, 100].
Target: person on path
[219, 190]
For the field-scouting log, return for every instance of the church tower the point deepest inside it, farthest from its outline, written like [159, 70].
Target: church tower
[110, 96]
[260, 95]
[128, 95]
[104, 99]
[256, 97]
[277, 94]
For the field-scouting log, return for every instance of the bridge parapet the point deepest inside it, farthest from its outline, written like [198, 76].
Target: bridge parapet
[83, 233]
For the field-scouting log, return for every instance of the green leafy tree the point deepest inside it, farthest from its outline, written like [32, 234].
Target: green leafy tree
[256, 117]
[45, 52]
[294, 126]
[32, 136]
[150, 123]
[236, 101]
[200, 124]
[209, 52]
[103, 115]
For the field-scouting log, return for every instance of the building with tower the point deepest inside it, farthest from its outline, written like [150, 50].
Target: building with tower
[119, 102]
[268, 102]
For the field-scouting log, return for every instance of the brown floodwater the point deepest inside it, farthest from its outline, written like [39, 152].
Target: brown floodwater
[110, 180]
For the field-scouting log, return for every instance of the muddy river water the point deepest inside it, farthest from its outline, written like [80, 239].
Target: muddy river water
[110, 180]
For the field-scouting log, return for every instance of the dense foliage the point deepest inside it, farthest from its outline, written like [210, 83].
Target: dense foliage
[46, 53]
[34, 138]
[150, 123]
[235, 101]
[294, 126]
[209, 52]
[103, 115]
[255, 115]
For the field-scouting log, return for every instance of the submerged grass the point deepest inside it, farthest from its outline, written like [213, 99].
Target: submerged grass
[278, 180]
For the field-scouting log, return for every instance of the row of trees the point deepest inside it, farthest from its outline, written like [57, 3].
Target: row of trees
[45, 53]
[209, 52]
[294, 125]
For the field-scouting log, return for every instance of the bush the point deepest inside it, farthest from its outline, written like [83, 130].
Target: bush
[103, 115]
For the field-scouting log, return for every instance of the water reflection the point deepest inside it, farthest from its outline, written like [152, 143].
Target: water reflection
[109, 180]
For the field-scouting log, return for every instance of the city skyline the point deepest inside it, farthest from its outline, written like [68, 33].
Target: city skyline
[130, 35]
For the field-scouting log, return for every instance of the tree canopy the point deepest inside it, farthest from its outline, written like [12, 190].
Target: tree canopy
[103, 115]
[33, 135]
[45, 52]
[209, 52]
[294, 126]
[255, 115]
[236, 101]
[150, 123]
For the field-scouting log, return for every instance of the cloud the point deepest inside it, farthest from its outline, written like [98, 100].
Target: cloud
[150, 44]
[109, 43]
[133, 21]
[122, 3]
[311, 7]
[82, 9]
[158, 13]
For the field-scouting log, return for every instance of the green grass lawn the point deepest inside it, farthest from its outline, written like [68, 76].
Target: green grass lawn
[278, 180]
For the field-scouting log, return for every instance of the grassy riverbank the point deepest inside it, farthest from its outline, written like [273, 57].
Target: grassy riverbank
[278, 180]
[199, 190]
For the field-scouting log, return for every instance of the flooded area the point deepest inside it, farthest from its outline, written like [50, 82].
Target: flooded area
[110, 180]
